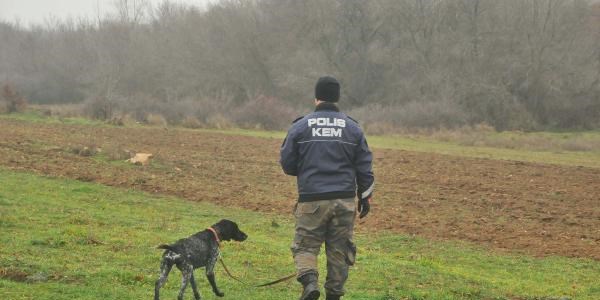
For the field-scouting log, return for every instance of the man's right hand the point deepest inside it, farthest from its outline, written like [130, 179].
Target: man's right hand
[364, 205]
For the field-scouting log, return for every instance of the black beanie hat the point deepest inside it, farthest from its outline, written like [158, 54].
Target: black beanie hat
[327, 89]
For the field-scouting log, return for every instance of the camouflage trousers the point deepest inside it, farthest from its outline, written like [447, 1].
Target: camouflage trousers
[332, 222]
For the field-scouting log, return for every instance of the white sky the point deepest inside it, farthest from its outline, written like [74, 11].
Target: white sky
[36, 11]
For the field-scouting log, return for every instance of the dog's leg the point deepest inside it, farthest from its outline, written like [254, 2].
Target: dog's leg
[210, 275]
[186, 274]
[194, 287]
[165, 268]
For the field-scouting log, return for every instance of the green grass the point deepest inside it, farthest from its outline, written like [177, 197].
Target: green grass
[88, 241]
[37, 117]
[572, 158]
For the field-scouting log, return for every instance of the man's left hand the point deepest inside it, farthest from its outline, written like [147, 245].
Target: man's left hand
[364, 205]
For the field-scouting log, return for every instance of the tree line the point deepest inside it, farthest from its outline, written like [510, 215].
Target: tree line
[512, 64]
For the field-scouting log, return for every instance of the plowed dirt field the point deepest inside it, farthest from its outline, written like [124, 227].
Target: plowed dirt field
[539, 209]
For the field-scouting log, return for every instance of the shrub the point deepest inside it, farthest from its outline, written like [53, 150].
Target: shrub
[3, 107]
[116, 121]
[86, 151]
[191, 122]
[100, 107]
[65, 110]
[380, 119]
[117, 153]
[155, 120]
[264, 112]
[122, 119]
[10, 100]
[219, 121]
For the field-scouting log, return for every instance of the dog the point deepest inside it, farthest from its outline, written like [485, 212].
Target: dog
[198, 250]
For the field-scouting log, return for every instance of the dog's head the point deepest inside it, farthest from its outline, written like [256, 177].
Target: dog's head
[228, 230]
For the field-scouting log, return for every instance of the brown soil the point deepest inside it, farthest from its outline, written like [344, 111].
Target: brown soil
[533, 208]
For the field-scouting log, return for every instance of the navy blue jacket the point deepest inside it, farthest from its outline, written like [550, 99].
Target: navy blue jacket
[328, 153]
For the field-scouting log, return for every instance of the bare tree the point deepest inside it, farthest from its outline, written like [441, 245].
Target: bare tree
[514, 64]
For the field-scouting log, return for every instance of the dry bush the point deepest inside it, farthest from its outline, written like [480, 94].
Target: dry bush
[174, 111]
[219, 121]
[60, 110]
[411, 116]
[191, 122]
[139, 106]
[84, 150]
[116, 121]
[155, 119]
[117, 153]
[12, 100]
[201, 109]
[3, 107]
[380, 128]
[122, 119]
[477, 135]
[264, 112]
[67, 110]
[100, 107]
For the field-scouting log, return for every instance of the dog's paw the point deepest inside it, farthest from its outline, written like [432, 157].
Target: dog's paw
[219, 293]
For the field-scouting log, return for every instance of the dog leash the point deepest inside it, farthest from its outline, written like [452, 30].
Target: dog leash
[286, 278]
[278, 280]
[218, 240]
[229, 273]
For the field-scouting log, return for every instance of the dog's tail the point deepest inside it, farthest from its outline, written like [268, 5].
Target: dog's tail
[166, 247]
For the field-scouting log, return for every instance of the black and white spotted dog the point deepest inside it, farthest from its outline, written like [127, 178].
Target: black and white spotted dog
[198, 250]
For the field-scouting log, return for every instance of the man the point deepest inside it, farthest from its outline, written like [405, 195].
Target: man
[328, 153]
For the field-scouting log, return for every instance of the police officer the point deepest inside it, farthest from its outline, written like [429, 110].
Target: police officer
[328, 153]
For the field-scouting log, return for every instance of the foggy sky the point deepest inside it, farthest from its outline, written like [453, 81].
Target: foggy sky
[36, 11]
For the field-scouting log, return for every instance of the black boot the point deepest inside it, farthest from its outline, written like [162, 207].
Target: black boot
[333, 297]
[310, 283]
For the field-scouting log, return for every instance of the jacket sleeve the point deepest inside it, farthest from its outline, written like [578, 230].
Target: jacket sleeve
[289, 154]
[365, 179]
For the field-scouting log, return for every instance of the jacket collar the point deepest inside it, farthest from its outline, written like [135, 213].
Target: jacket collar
[327, 106]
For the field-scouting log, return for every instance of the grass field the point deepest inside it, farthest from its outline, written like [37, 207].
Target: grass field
[64, 239]
[505, 149]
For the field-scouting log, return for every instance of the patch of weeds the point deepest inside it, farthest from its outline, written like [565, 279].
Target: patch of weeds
[37, 277]
[84, 150]
[132, 278]
[120, 247]
[78, 220]
[49, 242]
[117, 153]
[90, 239]
[467, 293]
[13, 274]
[16, 274]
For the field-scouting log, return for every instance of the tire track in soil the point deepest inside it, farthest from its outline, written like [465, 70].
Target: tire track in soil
[505, 205]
